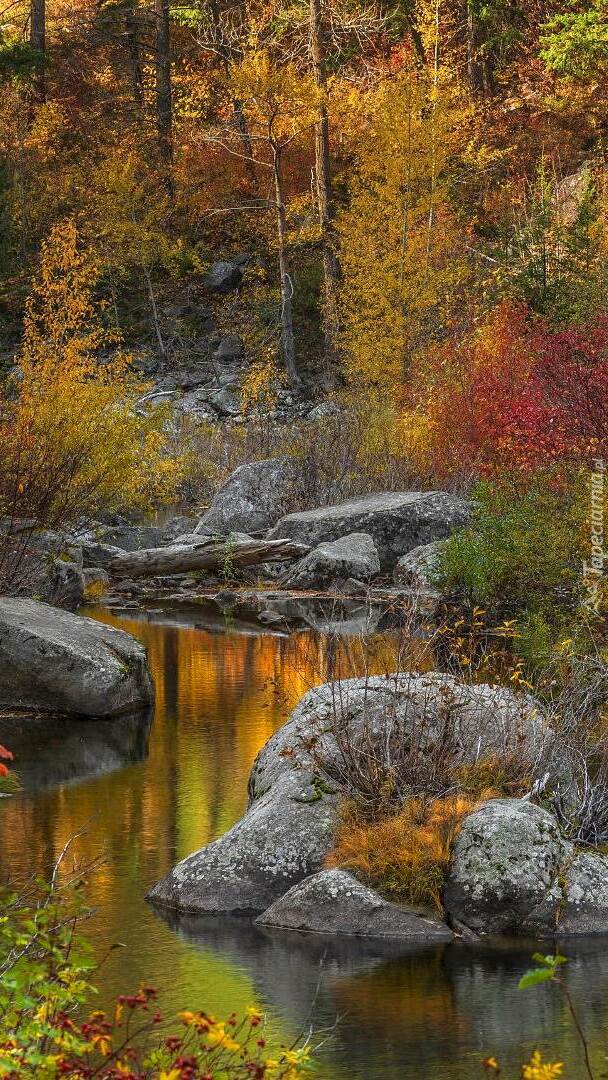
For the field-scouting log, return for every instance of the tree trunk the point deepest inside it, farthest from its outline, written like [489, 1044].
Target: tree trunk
[416, 37]
[155, 318]
[134, 54]
[164, 111]
[331, 267]
[479, 63]
[209, 554]
[287, 334]
[224, 51]
[38, 42]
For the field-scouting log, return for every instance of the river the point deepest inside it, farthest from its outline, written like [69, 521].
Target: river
[143, 794]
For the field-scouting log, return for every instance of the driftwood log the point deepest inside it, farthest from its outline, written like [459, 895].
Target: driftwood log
[209, 554]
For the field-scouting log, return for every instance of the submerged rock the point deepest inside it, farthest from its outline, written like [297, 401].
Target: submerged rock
[397, 521]
[53, 660]
[335, 902]
[353, 556]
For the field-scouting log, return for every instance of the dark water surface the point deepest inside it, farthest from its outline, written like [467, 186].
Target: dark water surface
[148, 793]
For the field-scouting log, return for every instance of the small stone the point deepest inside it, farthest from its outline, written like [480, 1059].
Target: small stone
[335, 902]
[224, 278]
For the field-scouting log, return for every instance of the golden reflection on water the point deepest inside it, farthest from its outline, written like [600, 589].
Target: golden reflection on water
[219, 697]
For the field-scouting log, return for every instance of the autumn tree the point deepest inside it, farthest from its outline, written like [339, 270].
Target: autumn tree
[402, 247]
[128, 226]
[281, 105]
[74, 440]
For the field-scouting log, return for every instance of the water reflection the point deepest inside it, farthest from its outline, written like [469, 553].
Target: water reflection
[406, 1012]
[148, 796]
[61, 750]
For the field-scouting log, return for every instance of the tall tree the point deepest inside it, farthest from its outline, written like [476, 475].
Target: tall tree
[323, 184]
[164, 96]
[38, 42]
[282, 105]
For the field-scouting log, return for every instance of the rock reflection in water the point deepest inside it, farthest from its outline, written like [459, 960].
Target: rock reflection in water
[61, 750]
[399, 1012]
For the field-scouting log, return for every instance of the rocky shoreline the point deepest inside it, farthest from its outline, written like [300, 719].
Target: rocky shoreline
[354, 567]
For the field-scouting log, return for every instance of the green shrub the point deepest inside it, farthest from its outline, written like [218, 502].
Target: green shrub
[524, 549]
[47, 1030]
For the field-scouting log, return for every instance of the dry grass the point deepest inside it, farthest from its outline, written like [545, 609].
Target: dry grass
[499, 776]
[405, 856]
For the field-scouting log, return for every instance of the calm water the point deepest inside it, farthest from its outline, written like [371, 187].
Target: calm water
[147, 794]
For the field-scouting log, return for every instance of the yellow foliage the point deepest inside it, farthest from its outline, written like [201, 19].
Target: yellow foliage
[280, 100]
[537, 1069]
[405, 856]
[258, 390]
[77, 442]
[401, 245]
[128, 214]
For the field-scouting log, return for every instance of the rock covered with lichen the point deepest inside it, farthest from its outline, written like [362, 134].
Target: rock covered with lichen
[284, 836]
[513, 873]
[294, 786]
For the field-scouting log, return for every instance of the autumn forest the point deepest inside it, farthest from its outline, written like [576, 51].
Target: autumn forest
[303, 451]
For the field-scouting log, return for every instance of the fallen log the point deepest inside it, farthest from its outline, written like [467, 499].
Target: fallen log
[208, 554]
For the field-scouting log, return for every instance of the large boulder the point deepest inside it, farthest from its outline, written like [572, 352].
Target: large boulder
[335, 902]
[283, 838]
[293, 787]
[413, 714]
[513, 873]
[506, 866]
[53, 660]
[252, 498]
[129, 537]
[353, 556]
[397, 521]
[584, 905]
